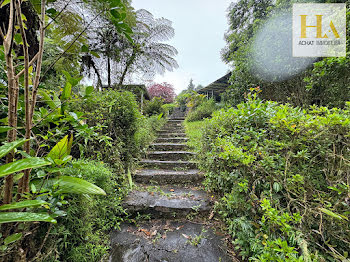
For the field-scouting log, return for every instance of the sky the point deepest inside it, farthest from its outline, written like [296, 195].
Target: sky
[199, 37]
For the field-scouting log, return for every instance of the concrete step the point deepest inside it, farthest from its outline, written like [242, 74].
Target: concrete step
[167, 201]
[170, 155]
[173, 131]
[177, 118]
[169, 128]
[171, 140]
[168, 240]
[168, 146]
[162, 164]
[175, 121]
[163, 177]
[161, 135]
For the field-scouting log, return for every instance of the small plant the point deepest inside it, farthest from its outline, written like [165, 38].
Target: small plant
[197, 239]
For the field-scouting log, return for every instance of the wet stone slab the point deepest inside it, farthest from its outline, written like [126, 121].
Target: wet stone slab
[167, 241]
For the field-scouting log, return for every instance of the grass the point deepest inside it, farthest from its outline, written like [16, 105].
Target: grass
[194, 134]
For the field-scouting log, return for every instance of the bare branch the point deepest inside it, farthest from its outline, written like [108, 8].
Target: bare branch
[40, 59]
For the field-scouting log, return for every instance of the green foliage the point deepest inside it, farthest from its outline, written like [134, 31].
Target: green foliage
[281, 171]
[204, 110]
[194, 132]
[322, 83]
[116, 115]
[82, 235]
[154, 107]
[146, 131]
[167, 109]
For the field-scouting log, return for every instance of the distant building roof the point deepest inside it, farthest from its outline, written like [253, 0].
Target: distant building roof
[217, 87]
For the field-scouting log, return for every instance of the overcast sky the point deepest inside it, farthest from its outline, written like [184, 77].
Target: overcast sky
[199, 31]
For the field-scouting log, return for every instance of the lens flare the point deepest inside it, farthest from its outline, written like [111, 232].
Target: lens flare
[271, 53]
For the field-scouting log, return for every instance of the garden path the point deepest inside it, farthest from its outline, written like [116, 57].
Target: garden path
[170, 207]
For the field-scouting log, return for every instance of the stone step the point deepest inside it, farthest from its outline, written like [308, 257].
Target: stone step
[174, 131]
[166, 240]
[162, 164]
[175, 121]
[177, 118]
[171, 140]
[167, 128]
[171, 135]
[162, 177]
[168, 146]
[166, 201]
[170, 155]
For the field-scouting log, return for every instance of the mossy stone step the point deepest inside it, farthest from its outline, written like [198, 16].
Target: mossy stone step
[166, 134]
[168, 146]
[167, 201]
[170, 155]
[163, 177]
[171, 139]
[162, 164]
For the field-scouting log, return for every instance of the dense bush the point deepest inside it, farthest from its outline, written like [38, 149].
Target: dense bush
[146, 131]
[116, 115]
[168, 109]
[283, 173]
[83, 234]
[154, 107]
[204, 110]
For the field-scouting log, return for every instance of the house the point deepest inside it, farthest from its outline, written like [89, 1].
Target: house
[215, 89]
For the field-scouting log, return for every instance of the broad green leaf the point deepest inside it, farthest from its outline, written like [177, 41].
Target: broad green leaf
[6, 2]
[61, 149]
[7, 148]
[76, 185]
[57, 102]
[332, 214]
[95, 54]
[51, 12]
[23, 204]
[23, 164]
[47, 99]
[12, 238]
[89, 90]
[67, 91]
[115, 14]
[9, 217]
[84, 49]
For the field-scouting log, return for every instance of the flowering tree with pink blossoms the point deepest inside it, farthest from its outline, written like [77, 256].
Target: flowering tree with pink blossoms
[164, 90]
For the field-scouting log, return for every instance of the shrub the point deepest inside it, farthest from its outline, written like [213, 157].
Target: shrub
[116, 114]
[82, 235]
[283, 175]
[168, 109]
[146, 131]
[204, 110]
[154, 107]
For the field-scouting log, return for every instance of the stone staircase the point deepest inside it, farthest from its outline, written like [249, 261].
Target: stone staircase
[169, 167]
[169, 196]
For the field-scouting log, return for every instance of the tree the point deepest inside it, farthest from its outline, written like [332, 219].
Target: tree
[190, 86]
[145, 56]
[164, 90]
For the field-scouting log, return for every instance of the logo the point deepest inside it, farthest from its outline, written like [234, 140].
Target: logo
[319, 30]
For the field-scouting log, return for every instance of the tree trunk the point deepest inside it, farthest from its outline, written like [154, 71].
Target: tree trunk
[109, 71]
[128, 64]
[12, 85]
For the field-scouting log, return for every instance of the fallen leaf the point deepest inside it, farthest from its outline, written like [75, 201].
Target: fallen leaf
[185, 236]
